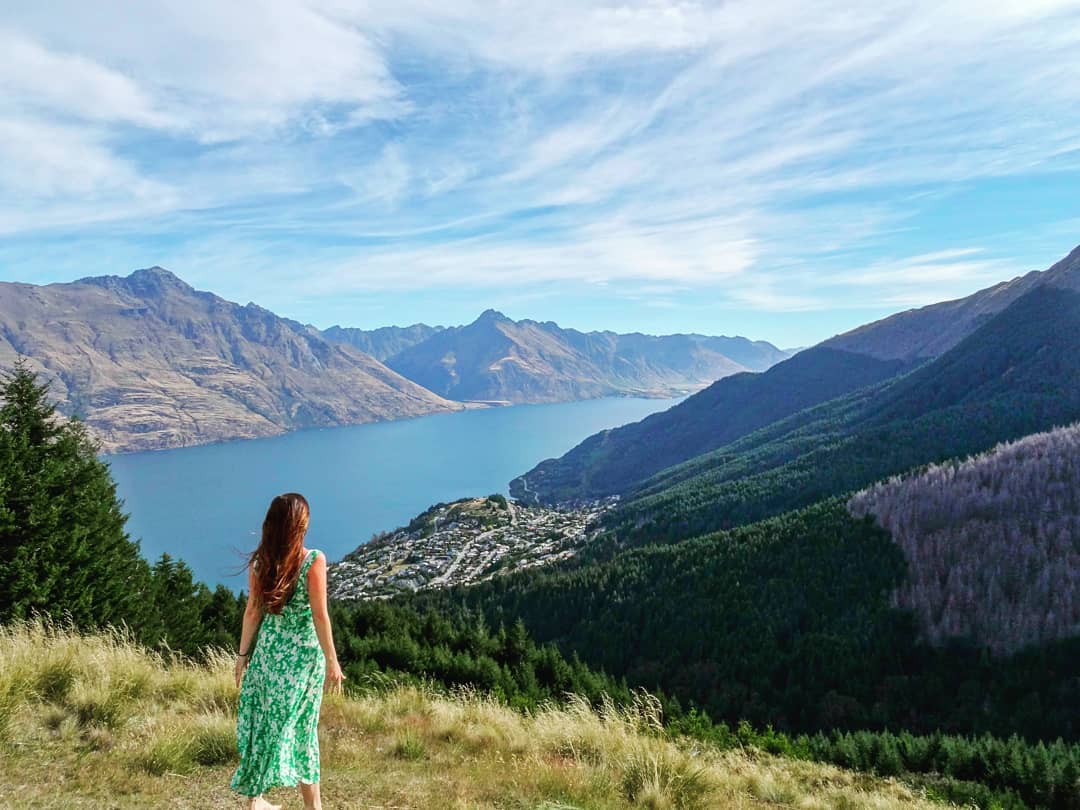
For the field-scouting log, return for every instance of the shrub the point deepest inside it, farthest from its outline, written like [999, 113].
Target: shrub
[410, 746]
[659, 777]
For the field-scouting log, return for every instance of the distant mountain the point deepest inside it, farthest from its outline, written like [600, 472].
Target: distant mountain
[384, 342]
[498, 359]
[150, 362]
[615, 461]
[990, 542]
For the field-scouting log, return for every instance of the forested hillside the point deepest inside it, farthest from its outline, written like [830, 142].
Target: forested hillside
[616, 460]
[786, 614]
[992, 543]
[620, 460]
[1017, 374]
[788, 621]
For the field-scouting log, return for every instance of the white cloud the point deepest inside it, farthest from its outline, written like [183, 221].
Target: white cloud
[471, 143]
[217, 70]
[598, 254]
[33, 78]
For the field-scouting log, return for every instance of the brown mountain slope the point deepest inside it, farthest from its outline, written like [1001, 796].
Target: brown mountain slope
[149, 362]
[927, 332]
[384, 342]
[496, 358]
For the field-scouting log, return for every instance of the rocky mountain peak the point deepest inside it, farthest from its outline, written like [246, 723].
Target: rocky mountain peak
[490, 316]
[156, 279]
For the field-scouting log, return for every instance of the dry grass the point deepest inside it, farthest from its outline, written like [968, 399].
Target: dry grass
[95, 722]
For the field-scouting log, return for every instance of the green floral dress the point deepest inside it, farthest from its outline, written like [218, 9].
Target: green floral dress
[278, 719]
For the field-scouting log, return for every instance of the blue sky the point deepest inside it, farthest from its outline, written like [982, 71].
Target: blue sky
[782, 170]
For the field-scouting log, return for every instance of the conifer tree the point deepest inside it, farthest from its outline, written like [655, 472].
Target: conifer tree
[189, 615]
[63, 548]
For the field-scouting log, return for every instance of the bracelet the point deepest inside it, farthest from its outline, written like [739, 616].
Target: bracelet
[243, 655]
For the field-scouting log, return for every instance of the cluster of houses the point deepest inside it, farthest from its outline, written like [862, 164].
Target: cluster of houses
[462, 542]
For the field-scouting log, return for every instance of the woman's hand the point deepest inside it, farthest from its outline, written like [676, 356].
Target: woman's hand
[241, 665]
[334, 677]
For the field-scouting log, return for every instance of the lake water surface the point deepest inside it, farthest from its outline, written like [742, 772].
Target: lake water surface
[206, 504]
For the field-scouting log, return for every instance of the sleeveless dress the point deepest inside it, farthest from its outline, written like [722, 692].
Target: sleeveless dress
[280, 696]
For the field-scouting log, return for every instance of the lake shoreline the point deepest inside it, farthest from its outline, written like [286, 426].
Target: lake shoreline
[360, 479]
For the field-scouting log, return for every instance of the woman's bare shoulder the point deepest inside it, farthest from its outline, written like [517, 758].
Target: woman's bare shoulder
[318, 561]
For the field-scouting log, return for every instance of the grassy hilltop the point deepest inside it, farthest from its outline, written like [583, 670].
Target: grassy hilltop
[97, 721]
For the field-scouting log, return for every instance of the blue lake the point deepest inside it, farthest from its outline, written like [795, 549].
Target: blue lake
[206, 504]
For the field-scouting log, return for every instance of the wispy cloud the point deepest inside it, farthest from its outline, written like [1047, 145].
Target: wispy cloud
[776, 156]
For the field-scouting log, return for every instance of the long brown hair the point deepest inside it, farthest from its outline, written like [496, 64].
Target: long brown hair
[280, 554]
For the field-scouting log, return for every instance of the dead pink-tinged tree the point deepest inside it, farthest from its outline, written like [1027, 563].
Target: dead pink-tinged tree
[992, 543]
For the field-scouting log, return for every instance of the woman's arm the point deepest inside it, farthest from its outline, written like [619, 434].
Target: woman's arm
[321, 616]
[252, 620]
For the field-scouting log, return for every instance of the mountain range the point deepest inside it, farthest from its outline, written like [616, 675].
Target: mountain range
[150, 362]
[616, 461]
[384, 342]
[498, 359]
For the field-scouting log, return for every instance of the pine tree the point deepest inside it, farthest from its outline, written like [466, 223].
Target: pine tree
[181, 602]
[63, 548]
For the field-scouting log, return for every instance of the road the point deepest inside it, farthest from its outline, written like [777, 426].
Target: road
[444, 577]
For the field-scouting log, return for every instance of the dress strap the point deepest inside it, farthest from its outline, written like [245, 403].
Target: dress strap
[306, 565]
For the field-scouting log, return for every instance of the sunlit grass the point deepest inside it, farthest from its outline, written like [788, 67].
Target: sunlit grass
[96, 721]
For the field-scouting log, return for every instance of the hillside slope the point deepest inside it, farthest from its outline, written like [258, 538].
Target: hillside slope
[1017, 374]
[149, 362]
[992, 543]
[820, 618]
[921, 334]
[496, 358]
[100, 723]
[616, 461]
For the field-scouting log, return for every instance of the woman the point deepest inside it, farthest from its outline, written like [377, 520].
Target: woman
[282, 676]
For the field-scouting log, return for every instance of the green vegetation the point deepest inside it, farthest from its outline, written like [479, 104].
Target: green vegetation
[378, 641]
[63, 548]
[62, 543]
[784, 617]
[1017, 374]
[984, 771]
[788, 623]
[618, 460]
[170, 742]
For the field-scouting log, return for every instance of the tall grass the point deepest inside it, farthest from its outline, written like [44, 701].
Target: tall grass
[96, 720]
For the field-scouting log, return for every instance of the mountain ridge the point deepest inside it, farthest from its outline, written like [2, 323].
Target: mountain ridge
[611, 462]
[495, 358]
[1017, 374]
[383, 342]
[150, 362]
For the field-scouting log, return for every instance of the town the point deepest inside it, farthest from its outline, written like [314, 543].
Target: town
[470, 540]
